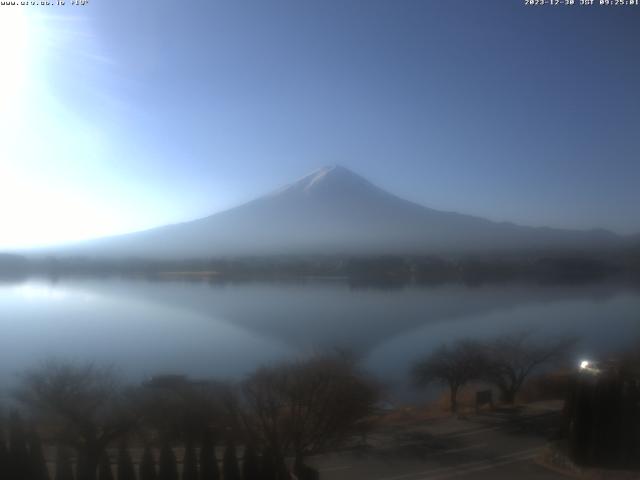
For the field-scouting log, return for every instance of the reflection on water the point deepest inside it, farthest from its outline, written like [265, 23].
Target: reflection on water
[226, 330]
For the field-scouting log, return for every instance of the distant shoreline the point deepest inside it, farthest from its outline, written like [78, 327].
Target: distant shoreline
[370, 270]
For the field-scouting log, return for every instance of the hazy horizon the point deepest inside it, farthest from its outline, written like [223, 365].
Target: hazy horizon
[298, 183]
[333, 210]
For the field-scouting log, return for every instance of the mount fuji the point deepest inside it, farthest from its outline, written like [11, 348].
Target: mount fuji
[335, 211]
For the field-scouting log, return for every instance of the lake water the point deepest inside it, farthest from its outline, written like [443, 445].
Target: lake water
[225, 331]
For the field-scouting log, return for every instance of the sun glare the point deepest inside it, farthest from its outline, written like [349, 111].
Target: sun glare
[14, 51]
[39, 160]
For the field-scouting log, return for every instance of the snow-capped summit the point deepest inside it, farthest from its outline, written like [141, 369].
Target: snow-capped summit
[329, 179]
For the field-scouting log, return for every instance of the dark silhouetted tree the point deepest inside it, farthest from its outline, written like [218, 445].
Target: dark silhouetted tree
[454, 366]
[208, 461]
[230, 463]
[64, 470]
[84, 471]
[179, 407]
[4, 459]
[83, 405]
[147, 468]
[104, 468]
[602, 414]
[511, 359]
[18, 452]
[168, 467]
[309, 405]
[189, 462]
[37, 464]
[125, 464]
[272, 466]
[250, 463]
[305, 472]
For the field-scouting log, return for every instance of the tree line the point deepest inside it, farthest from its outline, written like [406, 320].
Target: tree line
[268, 424]
[505, 362]
[369, 270]
[23, 459]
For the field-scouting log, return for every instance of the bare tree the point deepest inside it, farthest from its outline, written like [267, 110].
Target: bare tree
[250, 463]
[208, 460]
[454, 366]
[64, 469]
[230, 468]
[37, 462]
[511, 359]
[147, 465]
[307, 406]
[178, 407]
[81, 404]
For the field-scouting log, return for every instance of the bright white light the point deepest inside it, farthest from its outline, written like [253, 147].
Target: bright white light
[38, 292]
[14, 52]
[34, 214]
[584, 364]
[54, 156]
[35, 291]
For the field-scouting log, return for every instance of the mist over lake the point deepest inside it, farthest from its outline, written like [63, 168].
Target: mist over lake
[227, 330]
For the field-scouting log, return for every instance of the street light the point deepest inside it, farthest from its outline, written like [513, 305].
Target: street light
[588, 366]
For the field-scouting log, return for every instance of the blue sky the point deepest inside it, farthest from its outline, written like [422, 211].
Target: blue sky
[118, 116]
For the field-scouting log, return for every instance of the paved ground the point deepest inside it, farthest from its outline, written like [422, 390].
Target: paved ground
[492, 445]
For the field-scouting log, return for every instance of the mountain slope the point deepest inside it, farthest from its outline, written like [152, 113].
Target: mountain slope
[333, 210]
